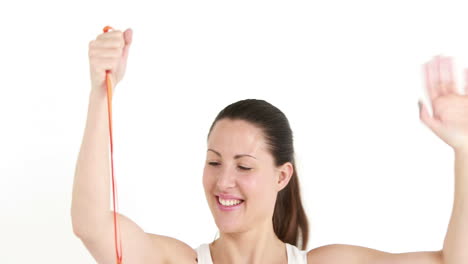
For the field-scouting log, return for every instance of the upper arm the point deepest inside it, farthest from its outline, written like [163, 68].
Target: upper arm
[340, 253]
[175, 250]
[137, 246]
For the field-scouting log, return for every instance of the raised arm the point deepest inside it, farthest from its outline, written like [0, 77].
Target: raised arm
[90, 200]
[92, 218]
[450, 123]
[456, 241]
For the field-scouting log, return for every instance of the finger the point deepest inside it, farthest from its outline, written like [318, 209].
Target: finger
[105, 53]
[109, 43]
[466, 81]
[434, 124]
[447, 76]
[435, 76]
[128, 36]
[110, 35]
[438, 80]
[429, 76]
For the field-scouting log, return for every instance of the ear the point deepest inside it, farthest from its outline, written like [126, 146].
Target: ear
[284, 174]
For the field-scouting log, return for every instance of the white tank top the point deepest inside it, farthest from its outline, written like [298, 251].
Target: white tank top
[295, 255]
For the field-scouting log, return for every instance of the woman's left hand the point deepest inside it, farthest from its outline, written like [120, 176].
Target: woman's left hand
[449, 106]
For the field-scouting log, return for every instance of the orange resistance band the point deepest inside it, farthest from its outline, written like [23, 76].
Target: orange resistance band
[114, 192]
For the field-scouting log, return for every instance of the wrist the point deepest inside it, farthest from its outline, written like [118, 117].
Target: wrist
[463, 151]
[98, 91]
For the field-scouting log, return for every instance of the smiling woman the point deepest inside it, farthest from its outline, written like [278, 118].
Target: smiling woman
[250, 181]
[250, 158]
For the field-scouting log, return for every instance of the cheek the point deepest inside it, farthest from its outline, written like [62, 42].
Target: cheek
[208, 180]
[207, 187]
[253, 185]
[260, 188]
[205, 181]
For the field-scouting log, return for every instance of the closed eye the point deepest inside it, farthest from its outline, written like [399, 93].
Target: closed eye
[241, 167]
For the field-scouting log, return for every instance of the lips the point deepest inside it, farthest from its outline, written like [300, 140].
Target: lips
[228, 197]
[227, 208]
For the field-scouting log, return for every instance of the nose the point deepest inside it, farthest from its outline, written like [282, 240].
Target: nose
[226, 179]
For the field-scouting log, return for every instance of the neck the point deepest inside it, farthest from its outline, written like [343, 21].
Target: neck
[257, 245]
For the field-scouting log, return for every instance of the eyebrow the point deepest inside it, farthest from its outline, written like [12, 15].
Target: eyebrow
[235, 157]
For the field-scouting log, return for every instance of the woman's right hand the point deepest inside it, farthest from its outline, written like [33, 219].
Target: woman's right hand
[109, 51]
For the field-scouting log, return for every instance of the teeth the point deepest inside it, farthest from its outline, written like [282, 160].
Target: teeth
[229, 202]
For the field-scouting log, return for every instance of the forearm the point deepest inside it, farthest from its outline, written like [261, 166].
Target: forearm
[455, 249]
[90, 200]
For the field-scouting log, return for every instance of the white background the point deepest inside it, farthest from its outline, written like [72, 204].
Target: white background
[347, 74]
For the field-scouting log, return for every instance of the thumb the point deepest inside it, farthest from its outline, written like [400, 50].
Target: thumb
[434, 124]
[128, 35]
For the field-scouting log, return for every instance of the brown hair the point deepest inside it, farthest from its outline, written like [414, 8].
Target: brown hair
[289, 218]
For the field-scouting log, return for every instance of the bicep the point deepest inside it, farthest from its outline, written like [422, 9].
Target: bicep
[340, 253]
[137, 246]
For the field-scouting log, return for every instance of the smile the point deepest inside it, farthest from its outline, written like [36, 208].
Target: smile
[228, 205]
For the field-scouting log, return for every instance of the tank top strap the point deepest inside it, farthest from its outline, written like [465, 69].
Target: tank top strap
[295, 255]
[203, 254]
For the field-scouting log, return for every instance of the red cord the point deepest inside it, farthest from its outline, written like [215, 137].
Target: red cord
[114, 192]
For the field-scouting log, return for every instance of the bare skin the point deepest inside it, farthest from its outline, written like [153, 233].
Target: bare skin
[246, 235]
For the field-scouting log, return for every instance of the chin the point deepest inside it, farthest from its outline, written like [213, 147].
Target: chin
[224, 227]
[229, 224]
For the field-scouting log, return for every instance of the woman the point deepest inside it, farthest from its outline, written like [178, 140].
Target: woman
[250, 181]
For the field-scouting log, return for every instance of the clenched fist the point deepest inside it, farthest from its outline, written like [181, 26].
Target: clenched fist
[109, 51]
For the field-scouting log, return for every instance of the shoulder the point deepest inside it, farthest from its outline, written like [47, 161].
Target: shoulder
[341, 253]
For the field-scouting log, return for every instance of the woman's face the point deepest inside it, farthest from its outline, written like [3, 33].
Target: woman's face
[229, 171]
